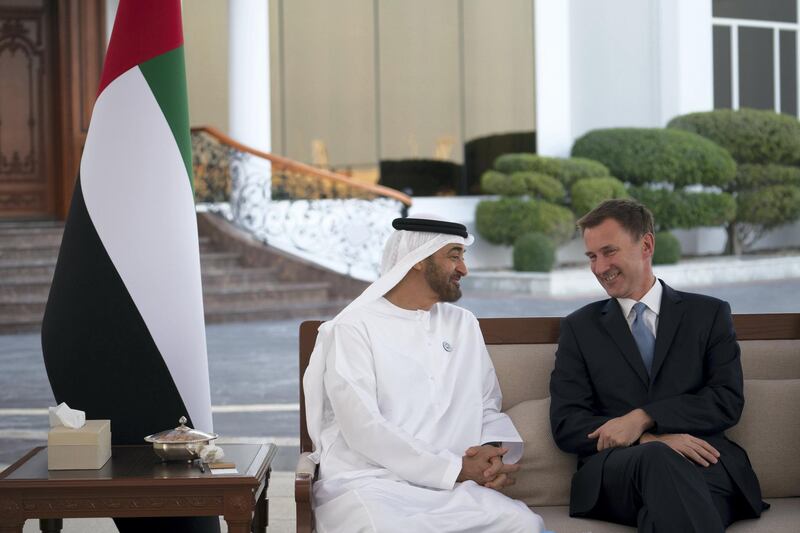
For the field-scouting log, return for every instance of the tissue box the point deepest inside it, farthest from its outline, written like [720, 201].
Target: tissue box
[86, 448]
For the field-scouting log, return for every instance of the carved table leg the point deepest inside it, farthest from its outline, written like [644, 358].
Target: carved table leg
[51, 525]
[239, 511]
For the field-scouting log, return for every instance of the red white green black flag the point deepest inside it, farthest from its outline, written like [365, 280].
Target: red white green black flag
[123, 334]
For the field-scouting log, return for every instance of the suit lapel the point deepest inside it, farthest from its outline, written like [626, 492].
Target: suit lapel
[617, 327]
[669, 318]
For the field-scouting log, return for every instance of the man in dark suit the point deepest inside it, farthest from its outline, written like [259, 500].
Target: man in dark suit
[644, 386]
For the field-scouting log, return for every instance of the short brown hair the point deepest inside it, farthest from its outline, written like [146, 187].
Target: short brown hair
[635, 218]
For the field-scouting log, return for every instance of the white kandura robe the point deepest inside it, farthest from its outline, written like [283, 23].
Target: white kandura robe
[399, 412]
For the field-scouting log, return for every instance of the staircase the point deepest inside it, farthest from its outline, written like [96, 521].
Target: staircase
[232, 291]
[28, 252]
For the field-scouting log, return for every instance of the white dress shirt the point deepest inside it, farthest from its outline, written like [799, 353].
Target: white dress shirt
[653, 302]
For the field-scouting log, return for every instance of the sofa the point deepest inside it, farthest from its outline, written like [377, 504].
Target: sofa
[523, 352]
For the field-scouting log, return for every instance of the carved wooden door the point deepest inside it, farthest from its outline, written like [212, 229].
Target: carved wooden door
[28, 133]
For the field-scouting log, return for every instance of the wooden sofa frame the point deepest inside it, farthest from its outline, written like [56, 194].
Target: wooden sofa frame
[538, 330]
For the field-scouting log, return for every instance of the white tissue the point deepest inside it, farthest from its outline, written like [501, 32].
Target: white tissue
[211, 453]
[64, 416]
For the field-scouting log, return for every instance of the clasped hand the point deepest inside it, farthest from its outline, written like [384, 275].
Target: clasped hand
[622, 431]
[484, 465]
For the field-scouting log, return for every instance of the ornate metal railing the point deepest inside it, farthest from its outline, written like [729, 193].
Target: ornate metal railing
[309, 212]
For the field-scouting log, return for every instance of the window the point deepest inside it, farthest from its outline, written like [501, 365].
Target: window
[755, 54]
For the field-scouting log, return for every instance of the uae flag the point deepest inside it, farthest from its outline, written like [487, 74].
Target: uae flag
[123, 334]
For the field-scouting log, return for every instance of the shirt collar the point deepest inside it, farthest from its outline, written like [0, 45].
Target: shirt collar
[409, 314]
[652, 300]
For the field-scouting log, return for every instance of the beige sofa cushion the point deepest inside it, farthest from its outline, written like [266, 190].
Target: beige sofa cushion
[772, 359]
[523, 371]
[770, 432]
[546, 472]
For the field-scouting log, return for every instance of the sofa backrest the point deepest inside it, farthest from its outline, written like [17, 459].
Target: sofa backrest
[523, 370]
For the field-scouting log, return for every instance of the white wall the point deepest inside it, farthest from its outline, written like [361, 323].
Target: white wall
[631, 63]
[613, 60]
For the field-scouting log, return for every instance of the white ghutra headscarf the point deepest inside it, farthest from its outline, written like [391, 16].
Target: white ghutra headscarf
[402, 251]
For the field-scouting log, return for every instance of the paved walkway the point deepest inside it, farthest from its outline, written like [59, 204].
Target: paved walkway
[254, 380]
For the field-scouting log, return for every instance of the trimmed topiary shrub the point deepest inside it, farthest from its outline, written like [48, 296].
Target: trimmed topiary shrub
[681, 209]
[763, 142]
[567, 171]
[519, 183]
[578, 168]
[534, 252]
[750, 135]
[555, 221]
[755, 176]
[590, 192]
[494, 182]
[641, 155]
[542, 186]
[510, 163]
[668, 249]
[502, 221]
[769, 207]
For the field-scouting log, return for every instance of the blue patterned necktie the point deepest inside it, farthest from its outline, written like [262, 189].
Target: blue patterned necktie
[644, 338]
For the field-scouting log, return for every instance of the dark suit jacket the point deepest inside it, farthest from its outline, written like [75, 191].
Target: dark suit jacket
[695, 386]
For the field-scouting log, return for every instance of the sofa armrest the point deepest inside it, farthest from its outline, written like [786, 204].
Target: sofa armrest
[304, 476]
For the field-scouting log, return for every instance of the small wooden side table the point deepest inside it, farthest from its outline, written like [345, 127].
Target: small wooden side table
[135, 483]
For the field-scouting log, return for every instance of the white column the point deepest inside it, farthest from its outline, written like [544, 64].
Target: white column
[686, 58]
[248, 73]
[551, 30]
[249, 103]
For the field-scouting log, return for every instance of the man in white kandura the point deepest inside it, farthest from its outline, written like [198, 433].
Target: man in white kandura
[403, 403]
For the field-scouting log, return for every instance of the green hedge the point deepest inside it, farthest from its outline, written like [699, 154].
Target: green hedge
[542, 186]
[494, 182]
[588, 193]
[668, 249]
[757, 176]
[641, 155]
[680, 209]
[518, 183]
[769, 207]
[567, 171]
[502, 221]
[534, 252]
[750, 135]
[510, 163]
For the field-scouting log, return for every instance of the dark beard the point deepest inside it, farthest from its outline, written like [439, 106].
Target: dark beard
[440, 283]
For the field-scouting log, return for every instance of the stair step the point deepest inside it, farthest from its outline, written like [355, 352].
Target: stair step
[214, 278]
[21, 324]
[247, 298]
[10, 224]
[20, 268]
[22, 307]
[24, 233]
[38, 287]
[206, 245]
[29, 250]
[279, 312]
[219, 260]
